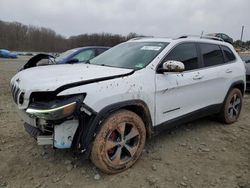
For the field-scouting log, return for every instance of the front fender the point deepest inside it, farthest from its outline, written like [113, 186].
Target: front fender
[90, 125]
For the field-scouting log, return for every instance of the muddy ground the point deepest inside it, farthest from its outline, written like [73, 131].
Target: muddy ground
[203, 153]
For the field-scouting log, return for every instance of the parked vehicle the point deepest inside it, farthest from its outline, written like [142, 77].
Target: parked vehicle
[223, 36]
[76, 55]
[7, 54]
[80, 54]
[107, 109]
[247, 61]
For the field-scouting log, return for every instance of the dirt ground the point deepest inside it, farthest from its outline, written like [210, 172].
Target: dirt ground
[200, 154]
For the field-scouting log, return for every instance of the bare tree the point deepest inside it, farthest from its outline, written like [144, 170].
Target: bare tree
[19, 37]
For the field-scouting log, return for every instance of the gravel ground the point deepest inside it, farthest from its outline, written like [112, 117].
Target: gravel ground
[200, 154]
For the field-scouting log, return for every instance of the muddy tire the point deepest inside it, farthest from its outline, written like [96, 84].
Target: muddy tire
[119, 143]
[232, 107]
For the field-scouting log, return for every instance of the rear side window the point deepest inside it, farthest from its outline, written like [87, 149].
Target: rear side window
[229, 56]
[186, 53]
[212, 54]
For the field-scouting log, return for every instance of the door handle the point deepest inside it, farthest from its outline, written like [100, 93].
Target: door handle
[197, 77]
[229, 71]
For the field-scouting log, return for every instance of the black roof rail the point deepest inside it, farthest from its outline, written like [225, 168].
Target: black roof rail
[186, 36]
[213, 38]
[141, 37]
[201, 37]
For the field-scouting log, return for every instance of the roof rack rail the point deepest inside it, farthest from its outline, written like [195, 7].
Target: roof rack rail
[201, 37]
[186, 36]
[141, 37]
[213, 38]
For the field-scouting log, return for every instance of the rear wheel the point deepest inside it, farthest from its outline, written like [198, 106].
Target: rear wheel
[232, 107]
[119, 143]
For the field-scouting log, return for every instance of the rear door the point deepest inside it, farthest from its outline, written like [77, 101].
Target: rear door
[214, 74]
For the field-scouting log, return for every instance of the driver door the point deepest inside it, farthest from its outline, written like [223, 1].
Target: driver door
[178, 94]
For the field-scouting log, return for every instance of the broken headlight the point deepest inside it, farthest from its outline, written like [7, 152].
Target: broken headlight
[55, 109]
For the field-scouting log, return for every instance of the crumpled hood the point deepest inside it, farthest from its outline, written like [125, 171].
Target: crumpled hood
[49, 78]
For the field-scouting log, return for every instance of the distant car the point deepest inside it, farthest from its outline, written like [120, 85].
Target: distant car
[247, 61]
[76, 55]
[7, 54]
[223, 36]
[79, 54]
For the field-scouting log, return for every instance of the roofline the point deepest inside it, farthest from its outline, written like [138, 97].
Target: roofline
[86, 47]
[191, 38]
[201, 37]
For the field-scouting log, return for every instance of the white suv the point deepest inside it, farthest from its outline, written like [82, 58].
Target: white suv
[106, 109]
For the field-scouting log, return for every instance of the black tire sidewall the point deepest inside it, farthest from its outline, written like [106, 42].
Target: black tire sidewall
[98, 154]
[226, 117]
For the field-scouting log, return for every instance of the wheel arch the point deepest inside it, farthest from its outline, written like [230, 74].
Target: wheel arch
[239, 85]
[137, 106]
[86, 138]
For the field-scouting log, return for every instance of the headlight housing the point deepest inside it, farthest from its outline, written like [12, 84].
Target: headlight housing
[56, 109]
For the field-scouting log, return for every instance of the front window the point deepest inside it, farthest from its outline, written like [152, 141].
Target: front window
[185, 53]
[132, 55]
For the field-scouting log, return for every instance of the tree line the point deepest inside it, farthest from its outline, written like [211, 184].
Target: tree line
[242, 44]
[15, 36]
[19, 37]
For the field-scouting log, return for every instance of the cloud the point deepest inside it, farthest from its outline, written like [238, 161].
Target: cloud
[154, 18]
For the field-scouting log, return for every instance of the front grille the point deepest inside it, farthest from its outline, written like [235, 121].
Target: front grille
[15, 92]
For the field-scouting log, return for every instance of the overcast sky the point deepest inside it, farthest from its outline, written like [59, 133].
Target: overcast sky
[148, 17]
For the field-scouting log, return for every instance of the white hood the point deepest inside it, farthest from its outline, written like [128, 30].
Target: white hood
[51, 77]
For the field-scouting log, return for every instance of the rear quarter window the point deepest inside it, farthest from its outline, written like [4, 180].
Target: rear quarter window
[212, 54]
[229, 55]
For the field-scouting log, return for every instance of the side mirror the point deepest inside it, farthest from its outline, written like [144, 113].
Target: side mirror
[71, 61]
[172, 66]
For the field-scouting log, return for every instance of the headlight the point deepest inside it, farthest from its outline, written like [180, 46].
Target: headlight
[54, 113]
[55, 109]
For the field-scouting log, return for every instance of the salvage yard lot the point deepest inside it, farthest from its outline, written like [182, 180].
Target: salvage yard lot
[203, 153]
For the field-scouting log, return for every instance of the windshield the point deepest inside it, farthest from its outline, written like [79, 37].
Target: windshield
[132, 55]
[65, 54]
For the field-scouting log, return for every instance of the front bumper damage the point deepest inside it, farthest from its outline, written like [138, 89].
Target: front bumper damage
[58, 135]
[54, 121]
[60, 121]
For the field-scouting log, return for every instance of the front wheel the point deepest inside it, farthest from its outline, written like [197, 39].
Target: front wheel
[119, 143]
[232, 107]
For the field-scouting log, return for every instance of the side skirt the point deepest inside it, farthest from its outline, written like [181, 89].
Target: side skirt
[209, 110]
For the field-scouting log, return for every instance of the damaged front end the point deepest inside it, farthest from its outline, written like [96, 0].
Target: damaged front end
[53, 120]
